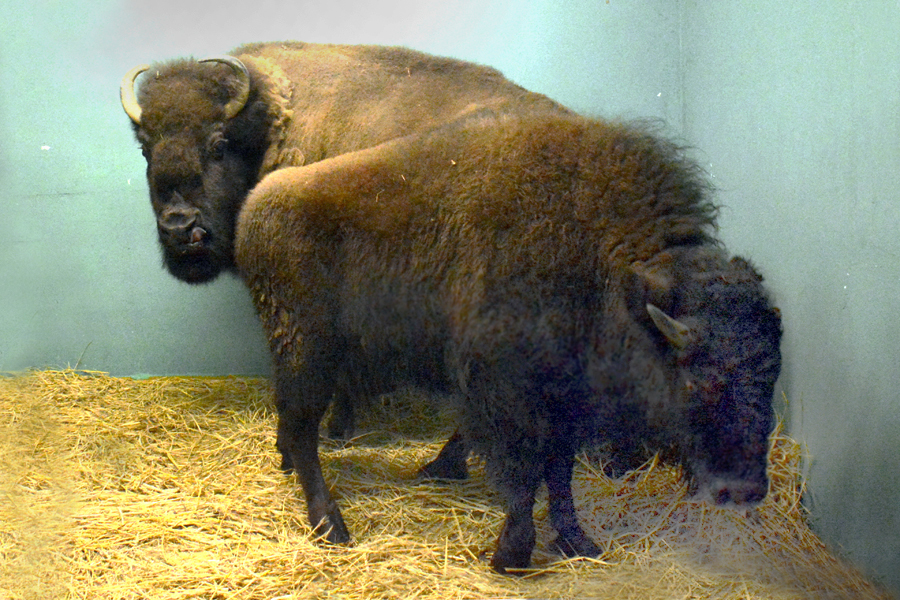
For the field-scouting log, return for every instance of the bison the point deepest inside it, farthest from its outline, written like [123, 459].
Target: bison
[211, 130]
[561, 273]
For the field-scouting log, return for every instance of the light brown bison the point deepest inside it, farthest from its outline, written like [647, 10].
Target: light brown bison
[561, 273]
[211, 130]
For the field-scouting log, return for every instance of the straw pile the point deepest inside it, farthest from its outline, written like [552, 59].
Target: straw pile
[169, 488]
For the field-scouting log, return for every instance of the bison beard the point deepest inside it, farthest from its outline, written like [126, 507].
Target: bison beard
[559, 271]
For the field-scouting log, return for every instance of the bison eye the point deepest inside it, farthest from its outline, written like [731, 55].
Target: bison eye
[217, 147]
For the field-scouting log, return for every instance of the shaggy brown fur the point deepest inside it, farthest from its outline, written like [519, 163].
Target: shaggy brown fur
[514, 258]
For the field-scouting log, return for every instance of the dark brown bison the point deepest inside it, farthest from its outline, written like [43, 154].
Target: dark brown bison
[561, 273]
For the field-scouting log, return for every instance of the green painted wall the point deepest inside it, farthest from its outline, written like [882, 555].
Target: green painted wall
[793, 109]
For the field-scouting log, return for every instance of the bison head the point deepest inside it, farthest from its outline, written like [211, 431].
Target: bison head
[725, 348]
[202, 129]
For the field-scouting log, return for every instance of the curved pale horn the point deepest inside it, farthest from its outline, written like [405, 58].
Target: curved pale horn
[678, 334]
[234, 105]
[126, 93]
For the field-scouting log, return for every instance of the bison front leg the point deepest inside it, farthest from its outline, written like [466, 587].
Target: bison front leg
[299, 416]
[517, 538]
[571, 540]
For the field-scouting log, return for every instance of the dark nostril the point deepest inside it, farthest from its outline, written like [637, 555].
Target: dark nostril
[723, 496]
[198, 234]
[740, 494]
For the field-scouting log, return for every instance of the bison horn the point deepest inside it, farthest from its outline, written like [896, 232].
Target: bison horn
[126, 93]
[675, 331]
[237, 103]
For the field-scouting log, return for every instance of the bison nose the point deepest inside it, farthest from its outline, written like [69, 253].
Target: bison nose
[739, 493]
[180, 223]
[178, 219]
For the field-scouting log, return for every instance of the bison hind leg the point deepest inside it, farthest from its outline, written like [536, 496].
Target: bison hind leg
[343, 418]
[450, 462]
[622, 461]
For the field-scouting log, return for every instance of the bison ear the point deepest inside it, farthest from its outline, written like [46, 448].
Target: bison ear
[651, 282]
[678, 334]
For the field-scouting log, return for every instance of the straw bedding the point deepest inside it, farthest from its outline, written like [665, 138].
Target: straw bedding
[169, 488]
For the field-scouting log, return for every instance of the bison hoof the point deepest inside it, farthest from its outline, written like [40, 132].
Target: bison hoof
[507, 558]
[573, 545]
[340, 429]
[444, 469]
[332, 530]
